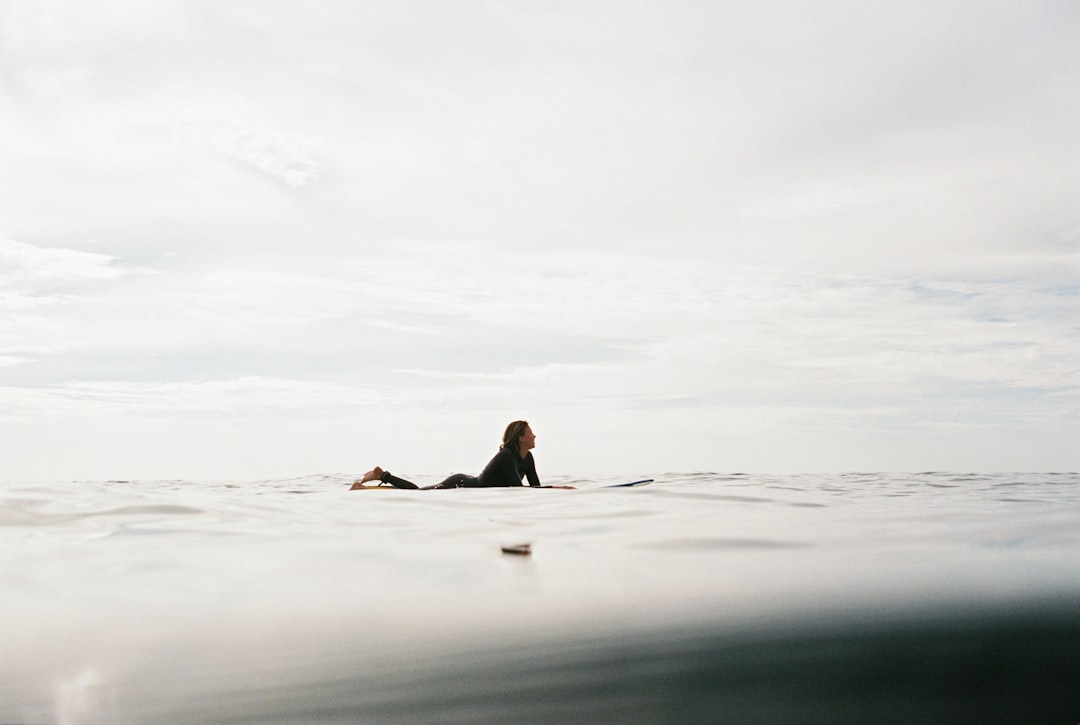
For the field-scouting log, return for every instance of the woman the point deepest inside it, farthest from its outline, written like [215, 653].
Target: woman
[511, 464]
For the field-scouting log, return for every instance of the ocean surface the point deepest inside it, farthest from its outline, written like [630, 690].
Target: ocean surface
[703, 598]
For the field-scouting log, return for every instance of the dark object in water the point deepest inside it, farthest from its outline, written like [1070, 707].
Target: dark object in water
[519, 549]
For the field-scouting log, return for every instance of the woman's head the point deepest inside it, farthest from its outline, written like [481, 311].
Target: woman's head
[515, 432]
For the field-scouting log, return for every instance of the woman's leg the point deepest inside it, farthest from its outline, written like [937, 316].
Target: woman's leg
[458, 480]
[396, 482]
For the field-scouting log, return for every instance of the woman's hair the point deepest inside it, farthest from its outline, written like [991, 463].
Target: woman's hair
[513, 434]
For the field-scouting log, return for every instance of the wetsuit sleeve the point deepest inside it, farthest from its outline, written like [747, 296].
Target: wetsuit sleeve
[530, 471]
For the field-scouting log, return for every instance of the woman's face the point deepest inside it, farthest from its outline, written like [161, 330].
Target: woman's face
[528, 439]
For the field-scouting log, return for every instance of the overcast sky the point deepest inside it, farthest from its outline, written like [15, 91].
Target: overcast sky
[266, 239]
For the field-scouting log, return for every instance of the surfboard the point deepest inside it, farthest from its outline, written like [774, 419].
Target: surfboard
[631, 484]
[642, 482]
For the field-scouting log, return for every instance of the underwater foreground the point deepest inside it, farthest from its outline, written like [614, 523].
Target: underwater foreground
[703, 597]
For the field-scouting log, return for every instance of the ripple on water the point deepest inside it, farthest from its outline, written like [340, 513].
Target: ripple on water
[690, 544]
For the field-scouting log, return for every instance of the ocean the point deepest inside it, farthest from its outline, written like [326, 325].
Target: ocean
[702, 598]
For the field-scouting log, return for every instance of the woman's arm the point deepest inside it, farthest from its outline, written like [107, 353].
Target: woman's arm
[530, 470]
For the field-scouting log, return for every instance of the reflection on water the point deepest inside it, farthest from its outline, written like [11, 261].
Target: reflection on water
[702, 598]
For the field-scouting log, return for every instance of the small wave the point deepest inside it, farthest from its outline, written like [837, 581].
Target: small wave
[692, 544]
[162, 509]
[695, 495]
[31, 513]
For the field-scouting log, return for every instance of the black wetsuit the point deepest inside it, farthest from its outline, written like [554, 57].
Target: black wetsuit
[505, 469]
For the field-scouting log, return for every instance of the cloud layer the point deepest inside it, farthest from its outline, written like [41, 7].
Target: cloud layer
[673, 236]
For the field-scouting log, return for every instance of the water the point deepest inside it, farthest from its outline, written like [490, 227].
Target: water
[705, 598]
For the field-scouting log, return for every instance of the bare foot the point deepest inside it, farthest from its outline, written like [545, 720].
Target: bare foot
[373, 475]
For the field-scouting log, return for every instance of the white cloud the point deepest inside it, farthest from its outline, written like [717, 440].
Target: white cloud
[285, 156]
[27, 267]
[41, 289]
[250, 397]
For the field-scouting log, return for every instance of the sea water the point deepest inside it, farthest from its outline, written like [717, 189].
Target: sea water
[705, 597]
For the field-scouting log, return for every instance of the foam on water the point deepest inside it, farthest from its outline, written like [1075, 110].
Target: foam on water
[703, 597]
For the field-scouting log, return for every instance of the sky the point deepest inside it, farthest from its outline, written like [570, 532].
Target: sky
[258, 240]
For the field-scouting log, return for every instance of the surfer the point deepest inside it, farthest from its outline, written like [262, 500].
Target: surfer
[511, 464]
